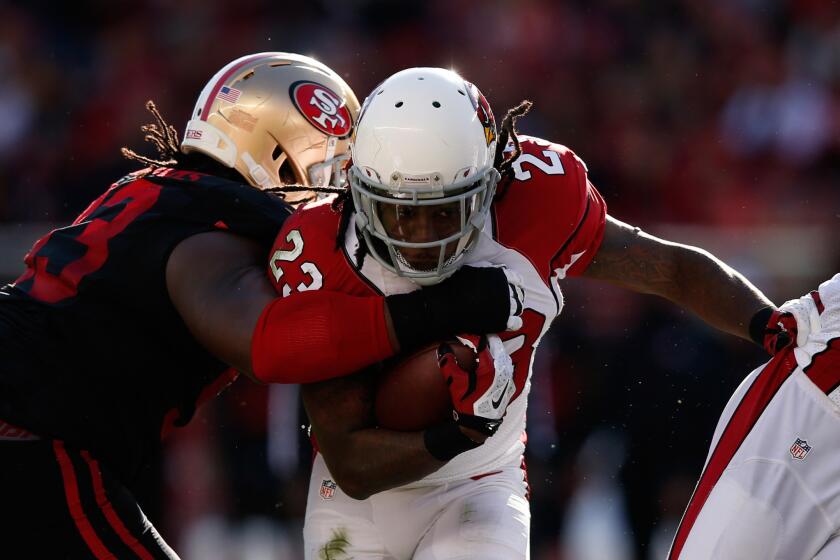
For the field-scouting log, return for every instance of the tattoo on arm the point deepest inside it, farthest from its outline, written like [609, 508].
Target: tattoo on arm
[632, 259]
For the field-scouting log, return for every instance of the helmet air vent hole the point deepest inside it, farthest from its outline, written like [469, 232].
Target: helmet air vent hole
[461, 92]
[421, 78]
[278, 151]
[248, 75]
[398, 104]
[286, 173]
[436, 104]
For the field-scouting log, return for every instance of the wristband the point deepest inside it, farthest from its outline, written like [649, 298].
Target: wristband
[473, 300]
[758, 325]
[445, 441]
[486, 426]
[412, 319]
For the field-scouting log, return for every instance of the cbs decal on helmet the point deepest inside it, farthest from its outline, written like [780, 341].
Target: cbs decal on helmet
[322, 107]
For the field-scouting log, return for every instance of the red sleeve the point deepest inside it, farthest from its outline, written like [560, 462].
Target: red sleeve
[581, 218]
[327, 323]
[552, 212]
[580, 248]
[317, 335]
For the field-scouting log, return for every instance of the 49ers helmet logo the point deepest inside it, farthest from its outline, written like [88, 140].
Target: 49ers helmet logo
[322, 107]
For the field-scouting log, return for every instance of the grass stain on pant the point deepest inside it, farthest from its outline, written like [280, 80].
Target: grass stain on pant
[336, 547]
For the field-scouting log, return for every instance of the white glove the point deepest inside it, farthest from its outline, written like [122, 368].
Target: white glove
[493, 401]
[807, 316]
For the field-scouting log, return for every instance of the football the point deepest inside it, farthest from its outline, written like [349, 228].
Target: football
[412, 394]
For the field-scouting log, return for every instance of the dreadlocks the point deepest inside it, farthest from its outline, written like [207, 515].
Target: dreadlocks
[309, 194]
[165, 139]
[344, 203]
[508, 133]
[160, 133]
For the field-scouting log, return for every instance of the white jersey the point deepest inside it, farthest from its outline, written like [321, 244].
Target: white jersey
[504, 448]
[546, 224]
[771, 484]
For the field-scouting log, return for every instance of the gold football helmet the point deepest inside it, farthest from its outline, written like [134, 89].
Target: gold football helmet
[277, 118]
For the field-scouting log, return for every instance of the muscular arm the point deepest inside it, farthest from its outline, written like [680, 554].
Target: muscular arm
[363, 459]
[218, 284]
[689, 276]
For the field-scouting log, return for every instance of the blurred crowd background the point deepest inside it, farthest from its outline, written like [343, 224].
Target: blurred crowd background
[714, 122]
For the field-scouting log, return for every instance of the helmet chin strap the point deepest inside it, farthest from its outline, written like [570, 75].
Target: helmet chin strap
[256, 171]
[330, 153]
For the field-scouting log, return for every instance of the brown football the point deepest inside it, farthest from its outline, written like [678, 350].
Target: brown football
[412, 394]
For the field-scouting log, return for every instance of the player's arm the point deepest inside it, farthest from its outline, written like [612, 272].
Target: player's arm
[218, 284]
[689, 276]
[363, 459]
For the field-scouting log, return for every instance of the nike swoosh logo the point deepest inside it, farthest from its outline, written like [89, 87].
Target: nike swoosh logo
[501, 396]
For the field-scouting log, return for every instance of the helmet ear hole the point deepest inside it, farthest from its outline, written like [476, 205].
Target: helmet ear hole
[287, 173]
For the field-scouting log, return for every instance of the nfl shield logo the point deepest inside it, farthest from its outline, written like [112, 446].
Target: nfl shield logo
[799, 449]
[327, 489]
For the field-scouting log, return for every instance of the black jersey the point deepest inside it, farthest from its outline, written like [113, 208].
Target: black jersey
[92, 350]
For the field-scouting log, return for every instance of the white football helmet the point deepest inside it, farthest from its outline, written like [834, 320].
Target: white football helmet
[425, 143]
[275, 115]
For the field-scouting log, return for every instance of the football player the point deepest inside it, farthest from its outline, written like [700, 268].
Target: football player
[432, 189]
[770, 485]
[156, 295]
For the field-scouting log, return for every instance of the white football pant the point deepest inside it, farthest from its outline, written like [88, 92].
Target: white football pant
[483, 519]
[771, 485]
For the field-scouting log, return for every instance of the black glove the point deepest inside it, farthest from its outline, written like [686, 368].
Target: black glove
[473, 300]
[773, 329]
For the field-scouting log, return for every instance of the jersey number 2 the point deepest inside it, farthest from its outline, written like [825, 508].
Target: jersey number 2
[316, 279]
[553, 167]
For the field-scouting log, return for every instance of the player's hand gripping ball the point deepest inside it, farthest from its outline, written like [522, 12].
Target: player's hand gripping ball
[412, 394]
[479, 398]
[469, 380]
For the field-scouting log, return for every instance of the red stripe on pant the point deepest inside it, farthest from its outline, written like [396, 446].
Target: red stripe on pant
[71, 493]
[524, 468]
[111, 515]
[824, 369]
[753, 404]
[818, 300]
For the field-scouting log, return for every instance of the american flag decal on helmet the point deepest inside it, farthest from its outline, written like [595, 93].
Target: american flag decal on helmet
[229, 94]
